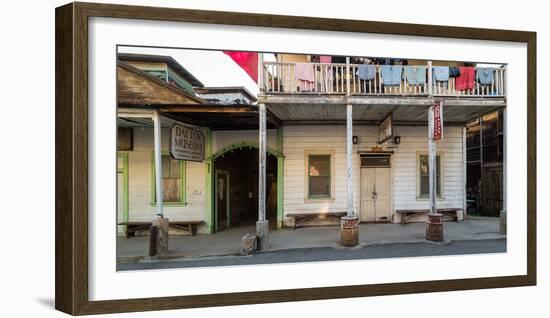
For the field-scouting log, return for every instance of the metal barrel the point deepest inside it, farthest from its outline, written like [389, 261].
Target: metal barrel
[434, 227]
[349, 231]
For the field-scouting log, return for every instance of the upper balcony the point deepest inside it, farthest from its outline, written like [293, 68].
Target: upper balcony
[339, 79]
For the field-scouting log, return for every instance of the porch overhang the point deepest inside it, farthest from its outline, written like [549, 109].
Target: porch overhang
[215, 117]
[313, 109]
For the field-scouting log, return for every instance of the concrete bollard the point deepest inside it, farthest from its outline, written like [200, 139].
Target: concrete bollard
[248, 244]
[162, 225]
[262, 234]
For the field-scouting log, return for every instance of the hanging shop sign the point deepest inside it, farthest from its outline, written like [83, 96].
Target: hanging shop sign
[186, 143]
[385, 129]
[437, 110]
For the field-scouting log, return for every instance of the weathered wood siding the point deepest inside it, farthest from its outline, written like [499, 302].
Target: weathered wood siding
[136, 88]
[140, 182]
[298, 140]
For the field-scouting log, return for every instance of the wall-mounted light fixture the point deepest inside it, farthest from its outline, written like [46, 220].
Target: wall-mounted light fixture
[397, 140]
[355, 140]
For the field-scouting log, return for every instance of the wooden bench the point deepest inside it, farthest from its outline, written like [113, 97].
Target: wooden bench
[447, 211]
[315, 219]
[132, 227]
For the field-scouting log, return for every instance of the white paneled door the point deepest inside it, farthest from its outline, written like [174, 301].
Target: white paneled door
[375, 194]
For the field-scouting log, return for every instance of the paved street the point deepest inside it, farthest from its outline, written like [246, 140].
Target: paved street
[388, 250]
[475, 235]
[227, 242]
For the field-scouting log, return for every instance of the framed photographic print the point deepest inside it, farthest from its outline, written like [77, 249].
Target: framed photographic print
[212, 151]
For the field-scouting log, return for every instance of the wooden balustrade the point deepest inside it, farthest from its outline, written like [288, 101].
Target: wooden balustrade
[331, 78]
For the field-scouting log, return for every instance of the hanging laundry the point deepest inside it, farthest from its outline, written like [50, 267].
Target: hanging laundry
[441, 73]
[304, 74]
[466, 79]
[366, 72]
[415, 75]
[326, 59]
[391, 74]
[454, 71]
[484, 75]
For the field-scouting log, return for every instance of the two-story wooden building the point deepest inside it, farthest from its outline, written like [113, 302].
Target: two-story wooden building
[312, 109]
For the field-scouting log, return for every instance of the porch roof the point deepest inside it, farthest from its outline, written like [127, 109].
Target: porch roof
[216, 117]
[138, 90]
[406, 110]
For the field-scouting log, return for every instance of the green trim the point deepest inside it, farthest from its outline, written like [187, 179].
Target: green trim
[280, 179]
[209, 218]
[228, 203]
[125, 187]
[183, 193]
[243, 144]
[183, 84]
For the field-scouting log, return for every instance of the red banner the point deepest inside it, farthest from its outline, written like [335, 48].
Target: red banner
[248, 61]
[438, 121]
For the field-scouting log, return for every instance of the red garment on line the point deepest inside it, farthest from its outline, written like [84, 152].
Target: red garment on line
[248, 61]
[466, 79]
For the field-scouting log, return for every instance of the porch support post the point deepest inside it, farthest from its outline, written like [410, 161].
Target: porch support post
[209, 191]
[503, 212]
[262, 225]
[349, 225]
[464, 175]
[159, 232]
[158, 163]
[434, 223]
[432, 164]
[349, 158]
[430, 78]
[280, 178]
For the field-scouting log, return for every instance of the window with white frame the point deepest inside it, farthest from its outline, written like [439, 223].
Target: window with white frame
[424, 176]
[319, 176]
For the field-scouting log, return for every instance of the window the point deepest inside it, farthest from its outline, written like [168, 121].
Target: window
[319, 173]
[173, 181]
[424, 176]
[383, 161]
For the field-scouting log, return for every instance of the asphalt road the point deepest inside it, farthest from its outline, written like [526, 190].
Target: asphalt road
[329, 254]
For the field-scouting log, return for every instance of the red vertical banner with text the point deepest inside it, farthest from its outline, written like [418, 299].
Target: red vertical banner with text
[437, 109]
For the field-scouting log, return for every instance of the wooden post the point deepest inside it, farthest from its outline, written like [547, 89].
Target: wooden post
[261, 72]
[158, 162]
[349, 145]
[430, 78]
[464, 175]
[349, 225]
[434, 223]
[480, 182]
[432, 163]
[504, 210]
[262, 225]
[160, 240]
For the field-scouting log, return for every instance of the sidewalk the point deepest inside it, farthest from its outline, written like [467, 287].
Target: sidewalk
[227, 242]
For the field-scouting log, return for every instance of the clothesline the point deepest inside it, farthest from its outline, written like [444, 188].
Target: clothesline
[391, 75]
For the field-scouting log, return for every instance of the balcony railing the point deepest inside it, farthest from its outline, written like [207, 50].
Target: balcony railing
[332, 78]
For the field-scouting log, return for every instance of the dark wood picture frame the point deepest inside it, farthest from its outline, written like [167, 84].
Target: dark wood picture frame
[71, 142]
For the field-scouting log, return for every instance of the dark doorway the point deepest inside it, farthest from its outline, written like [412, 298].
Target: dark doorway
[237, 170]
